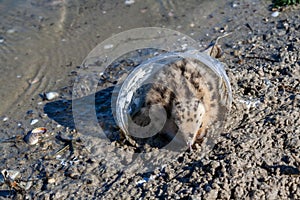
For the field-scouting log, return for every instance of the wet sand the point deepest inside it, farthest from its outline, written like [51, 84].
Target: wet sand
[256, 156]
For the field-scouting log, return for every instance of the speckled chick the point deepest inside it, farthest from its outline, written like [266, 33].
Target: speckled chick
[187, 93]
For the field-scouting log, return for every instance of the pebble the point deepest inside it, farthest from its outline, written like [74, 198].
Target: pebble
[5, 119]
[108, 46]
[73, 175]
[27, 185]
[51, 95]
[184, 46]
[35, 80]
[140, 182]
[144, 10]
[234, 5]
[34, 121]
[10, 31]
[236, 53]
[1, 40]
[275, 14]
[129, 2]
[51, 180]
[171, 14]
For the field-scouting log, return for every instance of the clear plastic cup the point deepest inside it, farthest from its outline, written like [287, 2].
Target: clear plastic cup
[217, 101]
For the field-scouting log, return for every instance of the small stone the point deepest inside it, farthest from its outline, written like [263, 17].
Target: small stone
[89, 181]
[1, 40]
[223, 29]
[35, 80]
[184, 46]
[275, 14]
[265, 19]
[171, 14]
[5, 119]
[10, 31]
[34, 121]
[281, 33]
[73, 175]
[108, 46]
[129, 2]
[266, 36]
[234, 5]
[140, 182]
[236, 53]
[51, 180]
[27, 185]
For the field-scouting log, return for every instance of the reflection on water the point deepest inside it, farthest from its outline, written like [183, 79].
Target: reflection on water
[28, 38]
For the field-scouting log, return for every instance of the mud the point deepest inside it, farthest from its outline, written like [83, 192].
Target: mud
[256, 156]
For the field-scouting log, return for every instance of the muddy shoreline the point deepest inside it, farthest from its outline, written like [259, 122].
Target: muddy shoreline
[256, 156]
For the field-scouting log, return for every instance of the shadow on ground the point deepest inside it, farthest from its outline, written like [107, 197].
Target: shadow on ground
[62, 110]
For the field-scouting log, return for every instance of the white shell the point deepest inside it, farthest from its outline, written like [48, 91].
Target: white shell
[129, 2]
[33, 136]
[51, 95]
[10, 174]
[275, 14]
[51, 180]
[34, 121]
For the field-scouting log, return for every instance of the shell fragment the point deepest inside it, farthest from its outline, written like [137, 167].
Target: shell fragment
[51, 95]
[33, 136]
